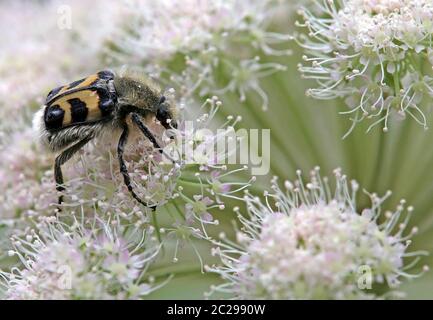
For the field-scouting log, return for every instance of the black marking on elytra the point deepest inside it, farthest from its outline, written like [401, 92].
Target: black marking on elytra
[79, 110]
[53, 117]
[69, 93]
[53, 92]
[106, 103]
[76, 83]
[70, 89]
[106, 75]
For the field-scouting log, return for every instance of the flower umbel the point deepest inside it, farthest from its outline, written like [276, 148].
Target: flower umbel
[380, 62]
[93, 260]
[192, 43]
[304, 242]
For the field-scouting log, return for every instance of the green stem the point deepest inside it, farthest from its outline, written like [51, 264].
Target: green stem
[155, 224]
[379, 159]
[179, 210]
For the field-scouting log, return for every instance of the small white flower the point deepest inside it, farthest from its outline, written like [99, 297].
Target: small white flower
[306, 242]
[365, 51]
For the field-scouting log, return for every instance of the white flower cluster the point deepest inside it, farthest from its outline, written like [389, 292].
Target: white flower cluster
[176, 26]
[376, 54]
[94, 260]
[385, 24]
[201, 39]
[303, 242]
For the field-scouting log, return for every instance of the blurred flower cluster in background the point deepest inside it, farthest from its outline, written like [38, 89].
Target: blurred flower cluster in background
[348, 96]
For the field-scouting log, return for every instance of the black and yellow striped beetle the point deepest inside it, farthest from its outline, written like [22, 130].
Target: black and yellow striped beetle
[76, 113]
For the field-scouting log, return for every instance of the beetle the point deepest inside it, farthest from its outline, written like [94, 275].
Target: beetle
[76, 113]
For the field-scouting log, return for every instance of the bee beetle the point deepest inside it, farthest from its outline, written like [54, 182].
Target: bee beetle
[76, 113]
